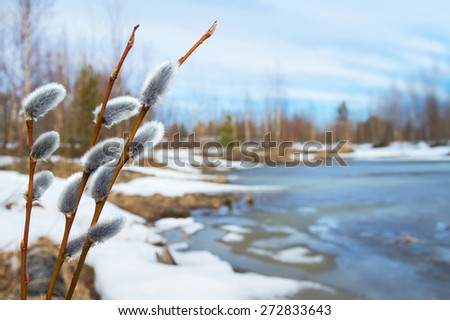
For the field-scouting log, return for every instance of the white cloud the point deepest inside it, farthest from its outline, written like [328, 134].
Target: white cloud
[427, 46]
[321, 95]
[361, 47]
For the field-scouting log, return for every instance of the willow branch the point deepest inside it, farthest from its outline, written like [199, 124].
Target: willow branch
[76, 275]
[120, 163]
[24, 242]
[208, 34]
[69, 219]
[112, 79]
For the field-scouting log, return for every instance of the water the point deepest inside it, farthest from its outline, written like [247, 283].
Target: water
[372, 230]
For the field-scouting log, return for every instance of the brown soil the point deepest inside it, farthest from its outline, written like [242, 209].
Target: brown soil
[42, 256]
[157, 206]
[64, 169]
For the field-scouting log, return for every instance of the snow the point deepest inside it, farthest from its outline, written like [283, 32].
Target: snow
[187, 225]
[187, 160]
[125, 266]
[400, 151]
[395, 150]
[235, 233]
[297, 255]
[232, 237]
[235, 229]
[6, 161]
[169, 173]
[179, 246]
[178, 159]
[149, 186]
[198, 275]
[291, 255]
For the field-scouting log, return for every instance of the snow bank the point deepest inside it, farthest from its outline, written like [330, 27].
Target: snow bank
[198, 275]
[6, 161]
[187, 225]
[297, 255]
[148, 186]
[400, 151]
[235, 229]
[232, 237]
[187, 160]
[291, 255]
[46, 221]
[169, 173]
[235, 233]
[126, 266]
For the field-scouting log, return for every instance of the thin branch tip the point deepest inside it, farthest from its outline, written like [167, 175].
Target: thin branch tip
[213, 28]
[208, 34]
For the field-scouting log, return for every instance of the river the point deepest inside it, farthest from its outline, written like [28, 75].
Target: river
[371, 230]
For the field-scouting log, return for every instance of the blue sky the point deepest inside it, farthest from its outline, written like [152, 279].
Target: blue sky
[325, 51]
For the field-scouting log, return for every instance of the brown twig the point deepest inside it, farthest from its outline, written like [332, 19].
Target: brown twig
[112, 79]
[208, 34]
[87, 245]
[69, 218]
[24, 242]
[121, 162]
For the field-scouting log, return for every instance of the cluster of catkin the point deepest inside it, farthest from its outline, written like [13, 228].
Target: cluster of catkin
[104, 160]
[101, 163]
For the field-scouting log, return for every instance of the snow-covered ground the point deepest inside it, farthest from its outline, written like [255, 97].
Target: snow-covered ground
[188, 160]
[235, 233]
[400, 151]
[126, 266]
[292, 255]
[170, 182]
[6, 161]
[395, 150]
[169, 187]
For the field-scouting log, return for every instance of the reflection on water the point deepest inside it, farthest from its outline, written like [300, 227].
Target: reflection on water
[375, 230]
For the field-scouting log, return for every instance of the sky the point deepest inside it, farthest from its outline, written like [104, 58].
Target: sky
[324, 52]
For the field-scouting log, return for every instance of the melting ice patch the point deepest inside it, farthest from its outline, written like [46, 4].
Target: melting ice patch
[235, 233]
[232, 237]
[235, 229]
[293, 255]
[188, 225]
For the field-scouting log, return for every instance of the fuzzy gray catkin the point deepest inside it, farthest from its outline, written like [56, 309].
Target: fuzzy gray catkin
[74, 246]
[157, 83]
[98, 187]
[67, 201]
[102, 153]
[117, 110]
[45, 145]
[148, 135]
[41, 182]
[42, 100]
[105, 230]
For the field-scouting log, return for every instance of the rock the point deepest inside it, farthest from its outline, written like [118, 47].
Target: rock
[41, 259]
[407, 239]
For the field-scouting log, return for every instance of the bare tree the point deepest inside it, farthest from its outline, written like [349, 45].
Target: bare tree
[20, 33]
[248, 106]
